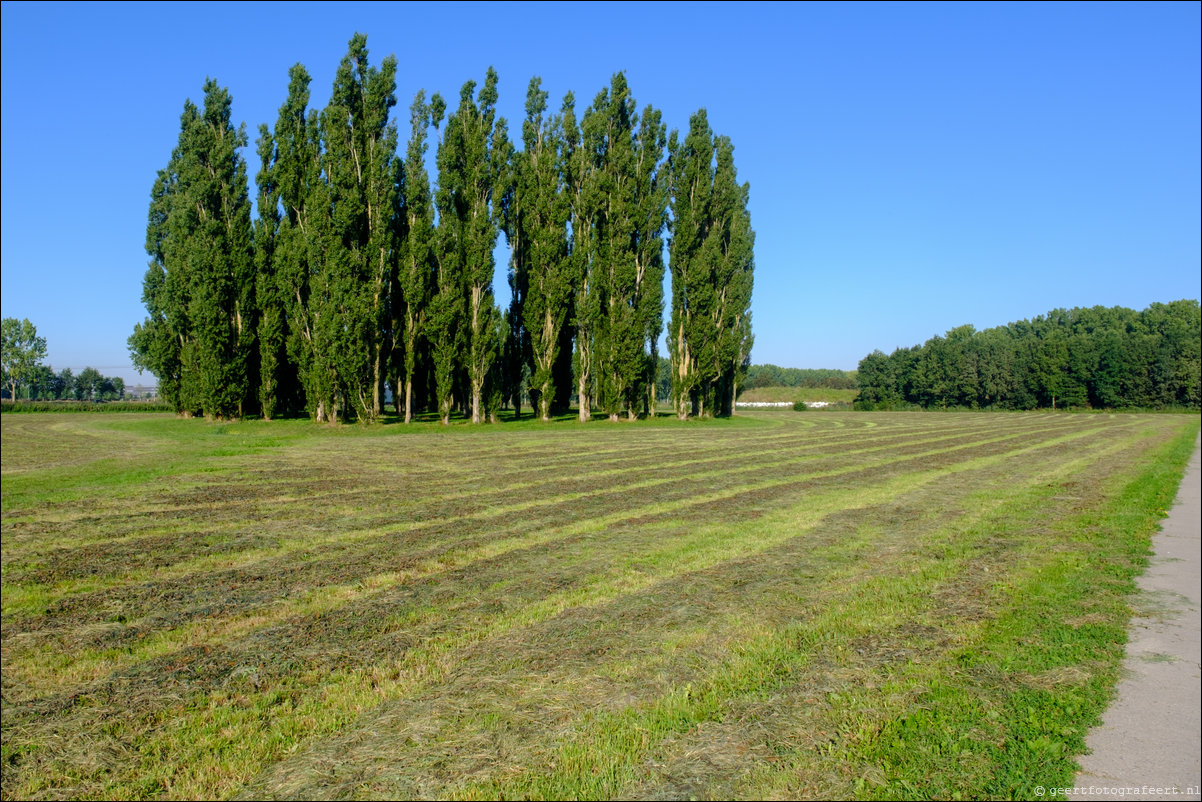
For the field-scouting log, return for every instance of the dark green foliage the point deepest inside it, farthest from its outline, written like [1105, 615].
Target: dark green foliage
[709, 335]
[273, 336]
[346, 286]
[541, 276]
[776, 376]
[416, 271]
[650, 218]
[296, 258]
[691, 168]
[358, 236]
[625, 272]
[472, 164]
[731, 244]
[199, 291]
[580, 184]
[618, 338]
[1102, 358]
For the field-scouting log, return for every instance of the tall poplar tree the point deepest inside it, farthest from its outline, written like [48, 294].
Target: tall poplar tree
[295, 174]
[273, 335]
[157, 342]
[537, 231]
[613, 266]
[360, 247]
[691, 167]
[650, 219]
[581, 143]
[416, 272]
[444, 324]
[732, 265]
[628, 268]
[199, 289]
[471, 164]
[712, 263]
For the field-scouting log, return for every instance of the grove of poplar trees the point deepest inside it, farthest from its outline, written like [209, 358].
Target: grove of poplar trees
[362, 276]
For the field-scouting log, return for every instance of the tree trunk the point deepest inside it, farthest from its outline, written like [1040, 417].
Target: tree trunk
[582, 385]
[582, 396]
[378, 390]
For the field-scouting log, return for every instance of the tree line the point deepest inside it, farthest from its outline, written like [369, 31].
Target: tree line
[26, 377]
[776, 376]
[361, 277]
[1098, 357]
[88, 385]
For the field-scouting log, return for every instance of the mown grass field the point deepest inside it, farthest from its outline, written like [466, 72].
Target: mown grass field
[781, 605]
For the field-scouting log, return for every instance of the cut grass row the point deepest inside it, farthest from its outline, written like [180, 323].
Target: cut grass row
[622, 640]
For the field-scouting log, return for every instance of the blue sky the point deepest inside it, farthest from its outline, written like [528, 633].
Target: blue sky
[913, 167]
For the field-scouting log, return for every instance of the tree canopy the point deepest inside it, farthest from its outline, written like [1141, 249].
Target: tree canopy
[22, 352]
[1095, 357]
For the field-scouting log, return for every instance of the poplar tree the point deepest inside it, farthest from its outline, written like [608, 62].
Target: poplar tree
[199, 289]
[712, 262]
[157, 342]
[359, 248]
[471, 165]
[628, 268]
[537, 231]
[691, 168]
[445, 320]
[650, 220]
[272, 357]
[732, 265]
[580, 144]
[295, 174]
[416, 272]
[613, 265]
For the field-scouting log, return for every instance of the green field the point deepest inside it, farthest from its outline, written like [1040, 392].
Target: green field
[780, 605]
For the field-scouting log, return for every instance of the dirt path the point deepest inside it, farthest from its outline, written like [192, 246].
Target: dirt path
[1148, 744]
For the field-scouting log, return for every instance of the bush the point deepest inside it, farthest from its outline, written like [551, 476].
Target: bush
[799, 406]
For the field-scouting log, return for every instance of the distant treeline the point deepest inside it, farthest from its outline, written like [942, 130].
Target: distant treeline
[1101, 358]
[43, 384]
[776, 376]
[364, 277]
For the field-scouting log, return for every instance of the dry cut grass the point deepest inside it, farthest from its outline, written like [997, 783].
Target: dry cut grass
[779, 606]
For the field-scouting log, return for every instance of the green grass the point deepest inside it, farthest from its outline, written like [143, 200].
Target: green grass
[867, 605]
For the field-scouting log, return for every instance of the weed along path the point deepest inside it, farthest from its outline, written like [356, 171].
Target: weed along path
[1150, 743]
[818, 605]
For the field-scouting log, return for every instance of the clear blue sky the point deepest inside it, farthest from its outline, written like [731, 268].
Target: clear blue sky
[913, 167]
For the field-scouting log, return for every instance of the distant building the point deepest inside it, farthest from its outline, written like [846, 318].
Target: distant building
[141, 392]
